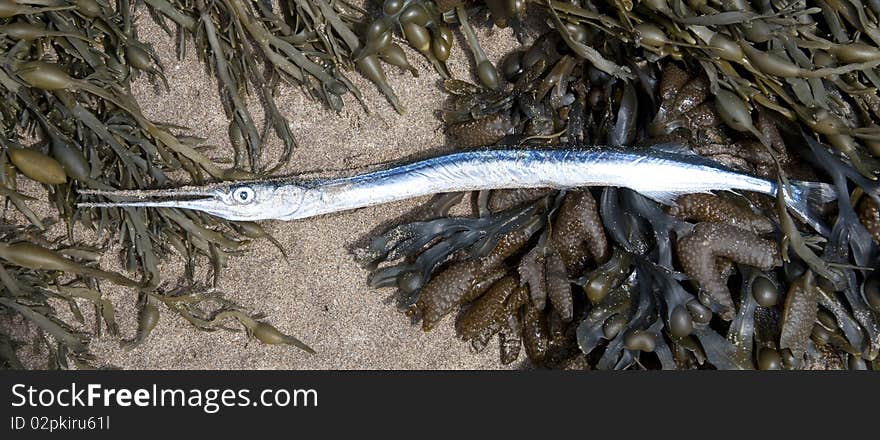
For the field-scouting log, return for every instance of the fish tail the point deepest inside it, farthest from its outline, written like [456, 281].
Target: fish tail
[806, 198]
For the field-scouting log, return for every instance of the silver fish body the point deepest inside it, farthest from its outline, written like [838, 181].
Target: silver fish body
[659, 174]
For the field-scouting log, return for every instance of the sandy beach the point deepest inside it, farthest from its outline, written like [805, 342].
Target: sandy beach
[319, 294]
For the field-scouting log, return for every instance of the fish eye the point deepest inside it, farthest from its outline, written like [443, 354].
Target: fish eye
[243, 195]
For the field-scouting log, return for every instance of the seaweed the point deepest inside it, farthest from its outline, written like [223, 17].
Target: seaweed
[707, 282]
[598, 277]
[70, 123]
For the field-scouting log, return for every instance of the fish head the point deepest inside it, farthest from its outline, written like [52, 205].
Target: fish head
[239, 201]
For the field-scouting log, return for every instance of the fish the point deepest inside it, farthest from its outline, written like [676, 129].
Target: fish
[661, 173]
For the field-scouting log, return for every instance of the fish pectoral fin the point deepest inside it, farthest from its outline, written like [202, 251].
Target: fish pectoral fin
[663, 197]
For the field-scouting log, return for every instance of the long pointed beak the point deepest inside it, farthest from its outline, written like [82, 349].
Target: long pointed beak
[187, 198]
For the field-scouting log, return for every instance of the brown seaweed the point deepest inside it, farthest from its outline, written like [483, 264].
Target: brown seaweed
[716, 209]
[465, 281]
[491, 312]
[799, 315]
[699, 251]
[577, 232]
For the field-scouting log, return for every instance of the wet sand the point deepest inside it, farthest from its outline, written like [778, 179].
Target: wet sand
[320, 294]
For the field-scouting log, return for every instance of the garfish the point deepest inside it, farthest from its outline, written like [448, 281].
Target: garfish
[661, 173]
